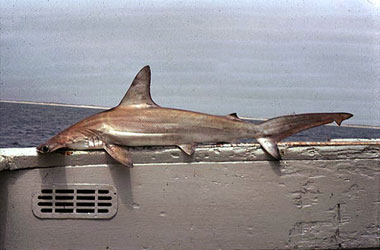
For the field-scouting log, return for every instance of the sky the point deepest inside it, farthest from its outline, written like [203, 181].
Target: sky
[257, 58]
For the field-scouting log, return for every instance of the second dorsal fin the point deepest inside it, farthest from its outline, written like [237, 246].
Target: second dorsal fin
[138, 94]
[233, 116]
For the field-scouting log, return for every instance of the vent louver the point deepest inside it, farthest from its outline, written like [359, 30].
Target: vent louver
[70, 201]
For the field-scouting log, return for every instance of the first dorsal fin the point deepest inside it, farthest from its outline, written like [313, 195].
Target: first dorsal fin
[138, 94]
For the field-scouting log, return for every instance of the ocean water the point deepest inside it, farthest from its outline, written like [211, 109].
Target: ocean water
[28, 125]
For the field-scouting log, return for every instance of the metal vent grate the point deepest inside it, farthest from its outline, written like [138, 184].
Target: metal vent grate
[90, 201]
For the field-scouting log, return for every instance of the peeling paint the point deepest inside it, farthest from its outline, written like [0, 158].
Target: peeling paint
[312, 234]
[307, 196]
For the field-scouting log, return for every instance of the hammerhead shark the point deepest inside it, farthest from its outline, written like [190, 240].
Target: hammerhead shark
[139, 121]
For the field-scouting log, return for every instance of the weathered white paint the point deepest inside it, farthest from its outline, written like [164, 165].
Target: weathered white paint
[21, 158]
[225, 197]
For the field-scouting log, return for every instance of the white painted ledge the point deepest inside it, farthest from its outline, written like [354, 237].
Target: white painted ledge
[23, 158]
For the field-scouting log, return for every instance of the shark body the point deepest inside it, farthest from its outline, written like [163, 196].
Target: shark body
[139, 121]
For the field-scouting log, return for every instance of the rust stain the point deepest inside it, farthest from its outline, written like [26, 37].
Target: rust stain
[328, 143]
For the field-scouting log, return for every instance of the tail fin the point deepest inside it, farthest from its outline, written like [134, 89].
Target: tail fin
[278, 128]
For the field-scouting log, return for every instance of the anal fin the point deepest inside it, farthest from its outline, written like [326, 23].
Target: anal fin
[270, 146]
[120, 154]
[188, 148]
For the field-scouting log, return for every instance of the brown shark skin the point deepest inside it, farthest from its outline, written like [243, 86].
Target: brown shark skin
[138, 121]
[150, 127]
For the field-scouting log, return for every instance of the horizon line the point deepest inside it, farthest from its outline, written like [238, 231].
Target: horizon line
[56, 104]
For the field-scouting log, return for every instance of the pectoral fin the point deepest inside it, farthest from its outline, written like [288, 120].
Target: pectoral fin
[187, 148]
[120, 154]
[270, 146]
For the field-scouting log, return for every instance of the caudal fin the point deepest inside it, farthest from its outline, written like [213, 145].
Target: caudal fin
[278, 128]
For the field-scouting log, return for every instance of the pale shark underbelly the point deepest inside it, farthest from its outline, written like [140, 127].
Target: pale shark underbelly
[128, 138]
[87, 144]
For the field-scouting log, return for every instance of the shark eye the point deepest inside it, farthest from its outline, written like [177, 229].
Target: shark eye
[45, 148]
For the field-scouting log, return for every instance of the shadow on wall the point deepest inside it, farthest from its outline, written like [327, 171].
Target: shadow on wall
[3, 207]
[121, 177]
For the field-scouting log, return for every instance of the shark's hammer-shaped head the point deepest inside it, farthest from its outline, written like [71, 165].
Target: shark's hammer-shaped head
[51, 145]
[68, 138]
